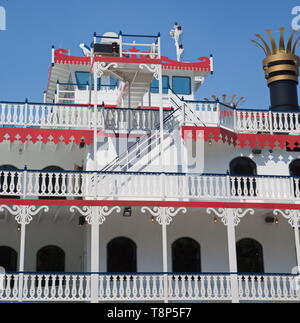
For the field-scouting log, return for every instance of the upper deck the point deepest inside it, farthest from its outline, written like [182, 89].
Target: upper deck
[128, 73]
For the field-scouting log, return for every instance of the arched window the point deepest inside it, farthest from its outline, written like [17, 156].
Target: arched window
[250, 256]
[295, 172]
[244, 169]
[122, 256]
[51, 259]
[9, 181]
[48, 183]
[243, 166]
[8, 259]
[186, 256]
[295, 168]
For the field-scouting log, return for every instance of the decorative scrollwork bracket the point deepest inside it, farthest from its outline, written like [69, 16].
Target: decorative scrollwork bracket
[155, 69]
[95, 214]
[293, 216]
[228, 215]
[164, 215]
[101, 67]
[23, 214]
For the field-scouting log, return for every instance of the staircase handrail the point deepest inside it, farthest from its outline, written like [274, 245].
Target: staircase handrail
[140, 141]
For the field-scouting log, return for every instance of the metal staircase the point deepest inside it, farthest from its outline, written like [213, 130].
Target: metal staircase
[143, 146]
[182, 114]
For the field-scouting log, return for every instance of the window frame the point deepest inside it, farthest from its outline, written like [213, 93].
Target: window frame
[155, 89]
[182, 77]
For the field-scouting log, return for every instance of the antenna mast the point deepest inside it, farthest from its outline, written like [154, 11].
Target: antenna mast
[176, 34]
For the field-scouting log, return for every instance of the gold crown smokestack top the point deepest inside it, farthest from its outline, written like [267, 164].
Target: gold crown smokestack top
[281, 67]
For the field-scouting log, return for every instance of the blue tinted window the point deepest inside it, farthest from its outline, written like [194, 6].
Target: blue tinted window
[155, 85]
[83, 78]
[182, 85]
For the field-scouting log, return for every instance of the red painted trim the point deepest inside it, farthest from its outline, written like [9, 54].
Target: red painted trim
[234, 205]
[218, 134]
[203, 64]
[46, 135]
[57, 135]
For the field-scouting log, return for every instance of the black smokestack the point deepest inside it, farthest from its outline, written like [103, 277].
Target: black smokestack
[281, 68]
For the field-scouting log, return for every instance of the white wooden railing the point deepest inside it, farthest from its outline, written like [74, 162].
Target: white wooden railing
[48, 287]
[269, 288]
[157, 186]
[208, 114]
[35, 287]
[78, 117]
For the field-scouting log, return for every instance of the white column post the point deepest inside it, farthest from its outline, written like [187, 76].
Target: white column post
[231, 219]
[165, 260]
[95, 119]
[23, 216]
[95, 216]
[164, 217]
[293, 216]
[161, 114]
[233, 268]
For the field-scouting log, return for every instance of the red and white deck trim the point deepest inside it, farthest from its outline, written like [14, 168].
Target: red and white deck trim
[204, 64]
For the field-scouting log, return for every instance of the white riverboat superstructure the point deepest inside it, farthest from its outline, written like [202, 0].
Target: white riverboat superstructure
[122, 187]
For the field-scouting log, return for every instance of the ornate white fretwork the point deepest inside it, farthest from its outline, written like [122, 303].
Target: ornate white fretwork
[152, 69]
[225, 214]
[95, 214]
[23, 214]
[164, 215]
[292, 215]
[101, 67]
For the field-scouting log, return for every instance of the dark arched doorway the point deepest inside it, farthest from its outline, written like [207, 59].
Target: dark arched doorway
[8, 259]
[244, 169]
[295, 172]
[250, 256]
[186, 256]
[9, 179]
[51, 259]
[295, 168]
[122, 256]
[51, 175]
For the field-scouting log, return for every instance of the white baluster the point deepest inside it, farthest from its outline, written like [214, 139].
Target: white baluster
[88, 287]
[101, 288]
[60, 286]
[39, 288]
[215, 289]
[53, 286]
[121, 288]
[25, 290]
[115, 289]
[67, 287]
[81, 289]
[134, 288]
[15, 290]
[222, 287]
[74, 287]
[46, 287]
[272, 287]
[32, 286]
[209, 287]
[148, 287]
[108, 288]
[128, 287]
[203, 289]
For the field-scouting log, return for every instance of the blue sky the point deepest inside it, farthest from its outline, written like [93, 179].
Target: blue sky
[218, 27]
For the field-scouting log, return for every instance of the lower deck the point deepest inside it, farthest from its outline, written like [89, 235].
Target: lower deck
[143, 256]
